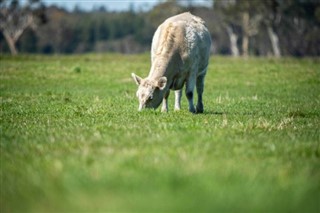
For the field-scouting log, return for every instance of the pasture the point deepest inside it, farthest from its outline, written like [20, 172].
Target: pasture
[72, 139]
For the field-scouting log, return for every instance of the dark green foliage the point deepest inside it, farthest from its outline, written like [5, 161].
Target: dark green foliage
[295, 22]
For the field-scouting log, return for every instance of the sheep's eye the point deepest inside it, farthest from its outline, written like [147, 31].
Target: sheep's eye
[151, 97]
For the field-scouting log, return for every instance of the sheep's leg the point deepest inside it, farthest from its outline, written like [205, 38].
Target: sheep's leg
[189, 92]
[177, 104]
[200, 86]
[164, 107]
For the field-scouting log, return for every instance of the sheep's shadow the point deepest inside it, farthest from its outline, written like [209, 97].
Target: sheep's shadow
[211, 112]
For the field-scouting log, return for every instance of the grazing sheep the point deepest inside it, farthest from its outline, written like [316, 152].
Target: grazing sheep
[179, 55]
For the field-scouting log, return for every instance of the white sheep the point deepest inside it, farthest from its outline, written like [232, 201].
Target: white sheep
[179, 55]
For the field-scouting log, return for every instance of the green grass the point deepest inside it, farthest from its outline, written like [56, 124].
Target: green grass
[72, 139]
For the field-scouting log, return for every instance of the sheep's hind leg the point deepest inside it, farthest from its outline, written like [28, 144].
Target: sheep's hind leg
[189, 93]
[200, 86]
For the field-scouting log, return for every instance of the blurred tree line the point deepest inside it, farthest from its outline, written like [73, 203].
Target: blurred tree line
[238, 27]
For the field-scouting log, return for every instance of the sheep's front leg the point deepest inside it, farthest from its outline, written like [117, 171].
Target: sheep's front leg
[177, 105]
[164, 107]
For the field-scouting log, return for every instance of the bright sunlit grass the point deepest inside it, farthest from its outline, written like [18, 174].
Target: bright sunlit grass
[72, 139]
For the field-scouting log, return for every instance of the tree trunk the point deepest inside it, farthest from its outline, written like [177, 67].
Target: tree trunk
[245, 36]
[13, 27]
[274, 42]
[245, 45]
[233, 42]
[12, 44]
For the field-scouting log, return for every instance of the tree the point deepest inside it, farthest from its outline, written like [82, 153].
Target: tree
[272, 17]
[16, 18]
[233, 41]
[229, 22]
[250, 21]
[300, 19]
[245, 14]
[163, 11]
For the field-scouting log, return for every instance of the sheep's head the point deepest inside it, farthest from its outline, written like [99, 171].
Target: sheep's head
[150, 92]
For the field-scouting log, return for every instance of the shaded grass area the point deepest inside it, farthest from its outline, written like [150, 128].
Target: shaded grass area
[72, 139]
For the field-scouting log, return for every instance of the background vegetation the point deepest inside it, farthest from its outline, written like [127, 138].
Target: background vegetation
[72, 139]
[238, 27]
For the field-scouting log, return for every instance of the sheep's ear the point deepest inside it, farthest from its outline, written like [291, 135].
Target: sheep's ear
[136, 78]
[162, 82]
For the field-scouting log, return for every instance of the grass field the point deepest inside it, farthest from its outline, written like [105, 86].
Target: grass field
[72, 139]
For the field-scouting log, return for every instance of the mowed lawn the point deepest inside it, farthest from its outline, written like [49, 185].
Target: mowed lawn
[73, 141]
